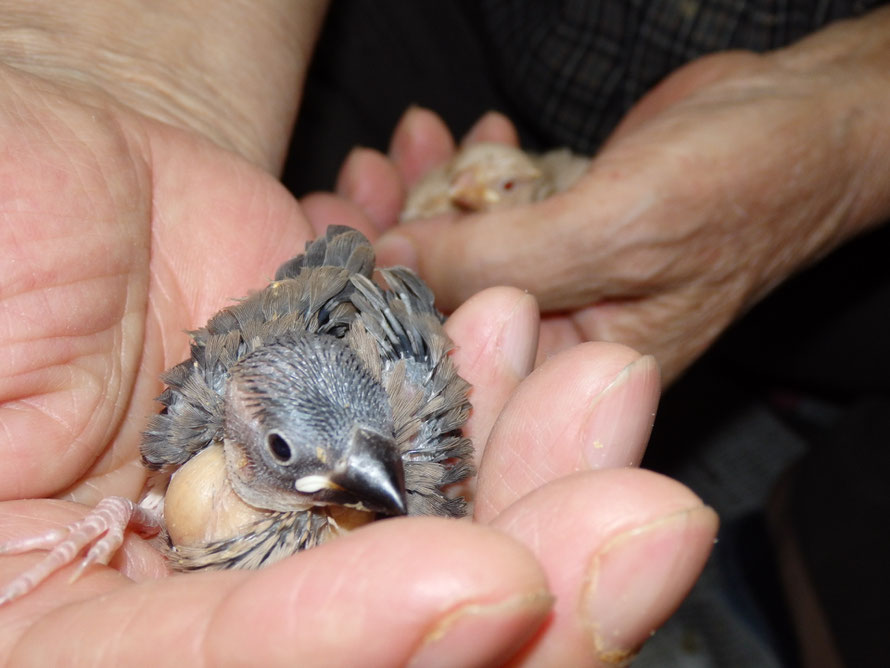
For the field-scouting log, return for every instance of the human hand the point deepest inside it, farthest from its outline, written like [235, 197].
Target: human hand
[115, 218]
[129, 162]
[442, 592]
[111, 216]
[735, 172]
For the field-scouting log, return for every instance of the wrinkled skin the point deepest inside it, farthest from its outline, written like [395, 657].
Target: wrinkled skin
[735, 172]
[120, 232]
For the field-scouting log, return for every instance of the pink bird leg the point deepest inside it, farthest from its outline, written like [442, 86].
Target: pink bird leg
[104, 527]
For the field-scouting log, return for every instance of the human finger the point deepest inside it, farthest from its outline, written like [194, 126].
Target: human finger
[492, 126]
[387, 594]
[324, 209]
[495, 334]
[543, 247]
[621, 549]
[371, 181]
[420, 142]
[589, 407]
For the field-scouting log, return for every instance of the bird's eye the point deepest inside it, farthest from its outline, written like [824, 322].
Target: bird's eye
[508, 185]
[279, 448]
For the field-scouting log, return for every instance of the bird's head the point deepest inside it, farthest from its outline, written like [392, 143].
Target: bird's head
[488, 176]
[306, 424]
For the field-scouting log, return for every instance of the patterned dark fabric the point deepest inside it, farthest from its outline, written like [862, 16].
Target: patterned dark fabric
[577, 66]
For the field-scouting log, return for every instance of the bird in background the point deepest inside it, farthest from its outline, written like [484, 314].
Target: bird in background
[323, 402]
[488, 176]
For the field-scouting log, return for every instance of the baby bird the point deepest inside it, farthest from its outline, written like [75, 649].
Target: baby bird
[311, 407]
[487, 176]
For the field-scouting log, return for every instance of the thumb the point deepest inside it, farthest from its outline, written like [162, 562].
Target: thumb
[533, 247]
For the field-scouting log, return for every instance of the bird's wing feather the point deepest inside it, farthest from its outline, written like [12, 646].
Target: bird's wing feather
[428, 397]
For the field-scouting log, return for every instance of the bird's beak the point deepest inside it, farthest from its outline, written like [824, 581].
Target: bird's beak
[469, 192]
[373, 474]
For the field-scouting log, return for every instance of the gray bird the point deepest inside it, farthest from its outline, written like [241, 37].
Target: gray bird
[313, 406]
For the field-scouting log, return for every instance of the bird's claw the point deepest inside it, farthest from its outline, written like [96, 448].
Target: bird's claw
[110, 517]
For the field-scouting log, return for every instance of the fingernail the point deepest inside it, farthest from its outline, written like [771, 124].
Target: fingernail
[396, 249]
[480, 634]
[516, 349]
[638, 577]
[621, 417]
